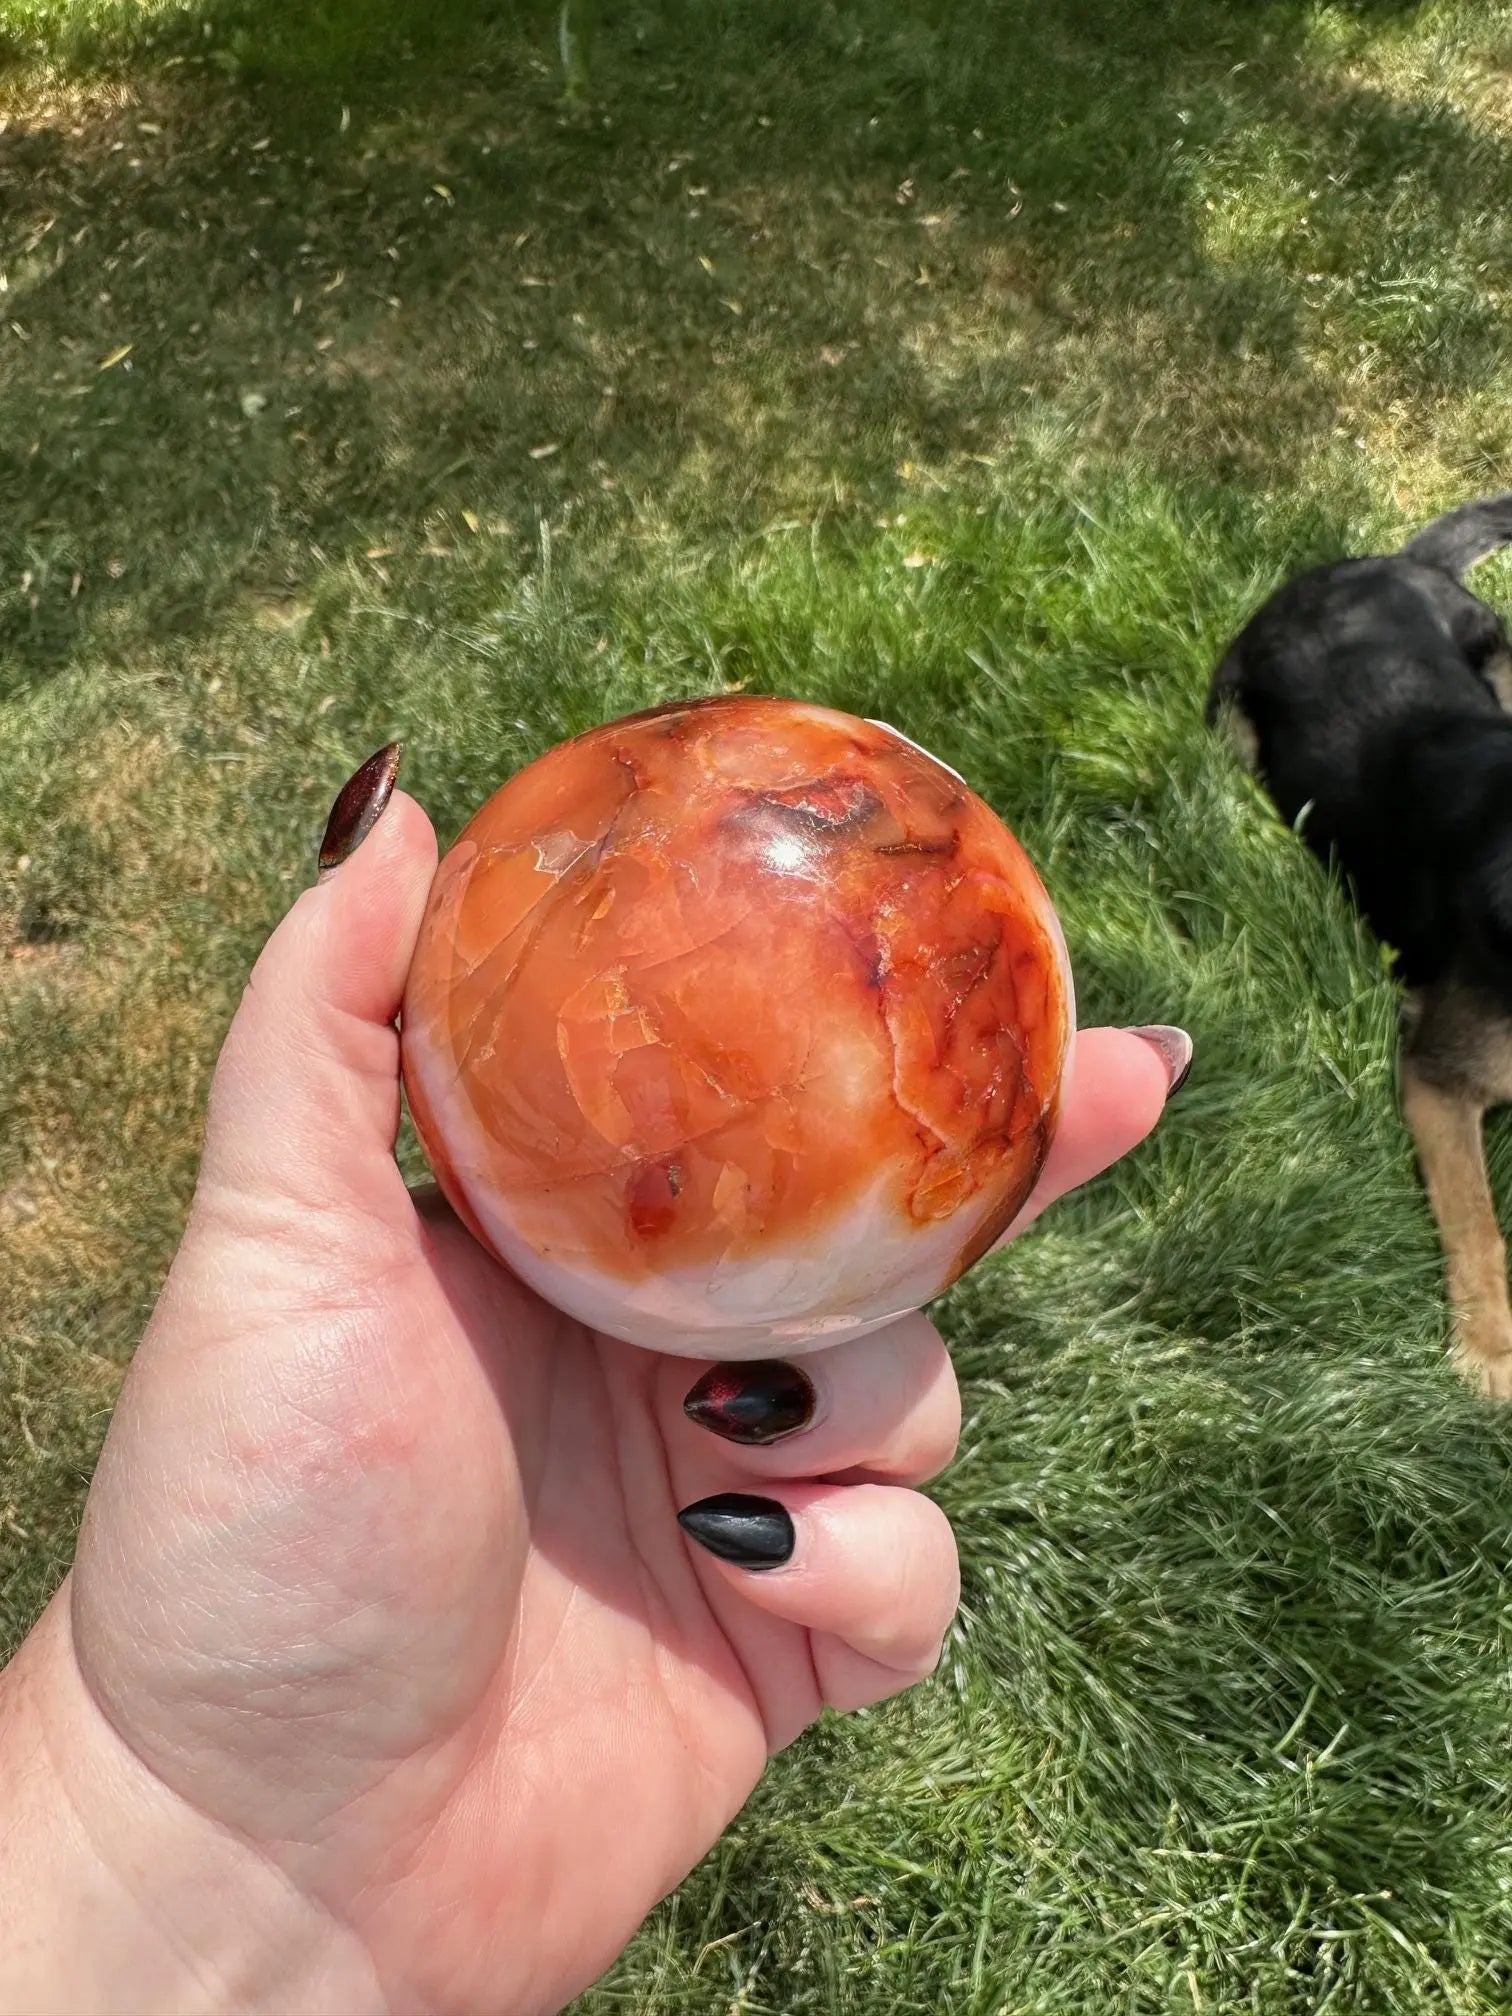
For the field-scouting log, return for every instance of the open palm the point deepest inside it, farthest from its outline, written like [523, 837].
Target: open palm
[381, 1572]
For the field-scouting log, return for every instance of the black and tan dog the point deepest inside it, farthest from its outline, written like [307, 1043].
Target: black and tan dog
[1371, 697]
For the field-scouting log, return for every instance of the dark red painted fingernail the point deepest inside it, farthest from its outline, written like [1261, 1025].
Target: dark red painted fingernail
[755, 1403]
[1175, 1047]
[751, 1532]
[359, 807]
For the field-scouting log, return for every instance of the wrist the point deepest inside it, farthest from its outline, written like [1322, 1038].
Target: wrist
[118, 1898]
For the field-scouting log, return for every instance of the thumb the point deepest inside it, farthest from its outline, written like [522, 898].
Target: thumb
[304, 1106]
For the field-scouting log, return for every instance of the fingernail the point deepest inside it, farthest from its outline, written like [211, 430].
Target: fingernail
[1175, 1047]
[359, 807]
[754, 1403]
[751, 1532]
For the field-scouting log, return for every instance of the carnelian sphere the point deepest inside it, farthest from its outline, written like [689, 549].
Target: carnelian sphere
[735, 1026]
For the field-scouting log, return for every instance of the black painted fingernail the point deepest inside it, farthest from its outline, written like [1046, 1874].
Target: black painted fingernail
[751, 1532]
[359, 807]
[1175, 1047]
[754, 1403]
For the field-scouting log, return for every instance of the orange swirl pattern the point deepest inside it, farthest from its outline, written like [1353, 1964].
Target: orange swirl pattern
[731, 981]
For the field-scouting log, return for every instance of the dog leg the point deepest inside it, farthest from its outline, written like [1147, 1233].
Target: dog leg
[1230, 719]
[1498, 675]
[1446, 1126]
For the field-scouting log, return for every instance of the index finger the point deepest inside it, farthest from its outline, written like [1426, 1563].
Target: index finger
[1117, 1085]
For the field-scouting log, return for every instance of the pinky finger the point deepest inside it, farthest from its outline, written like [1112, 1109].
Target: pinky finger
[870, 1572]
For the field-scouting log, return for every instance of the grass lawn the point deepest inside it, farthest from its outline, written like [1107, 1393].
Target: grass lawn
[972, 363]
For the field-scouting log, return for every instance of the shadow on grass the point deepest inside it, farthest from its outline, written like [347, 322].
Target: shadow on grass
[299, 286]
[1227, 1632]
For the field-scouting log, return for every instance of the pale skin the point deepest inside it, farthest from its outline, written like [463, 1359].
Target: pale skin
[384, 1679]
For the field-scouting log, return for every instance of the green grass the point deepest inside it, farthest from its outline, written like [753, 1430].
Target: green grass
[975, 363]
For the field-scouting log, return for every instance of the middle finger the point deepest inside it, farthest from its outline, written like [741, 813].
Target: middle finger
[883, 1407]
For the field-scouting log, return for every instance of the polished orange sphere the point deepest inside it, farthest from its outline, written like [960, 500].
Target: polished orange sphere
[737, 1026]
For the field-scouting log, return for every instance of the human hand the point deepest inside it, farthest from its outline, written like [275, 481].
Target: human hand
[385, 1677]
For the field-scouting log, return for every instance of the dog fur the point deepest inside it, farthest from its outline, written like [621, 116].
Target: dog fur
[1372, 699]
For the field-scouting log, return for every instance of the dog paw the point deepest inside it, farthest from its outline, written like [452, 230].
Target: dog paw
[1487, 1366]
[1494, 1377]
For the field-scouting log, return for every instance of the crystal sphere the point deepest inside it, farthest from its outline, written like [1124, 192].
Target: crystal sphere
[738, 1026]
